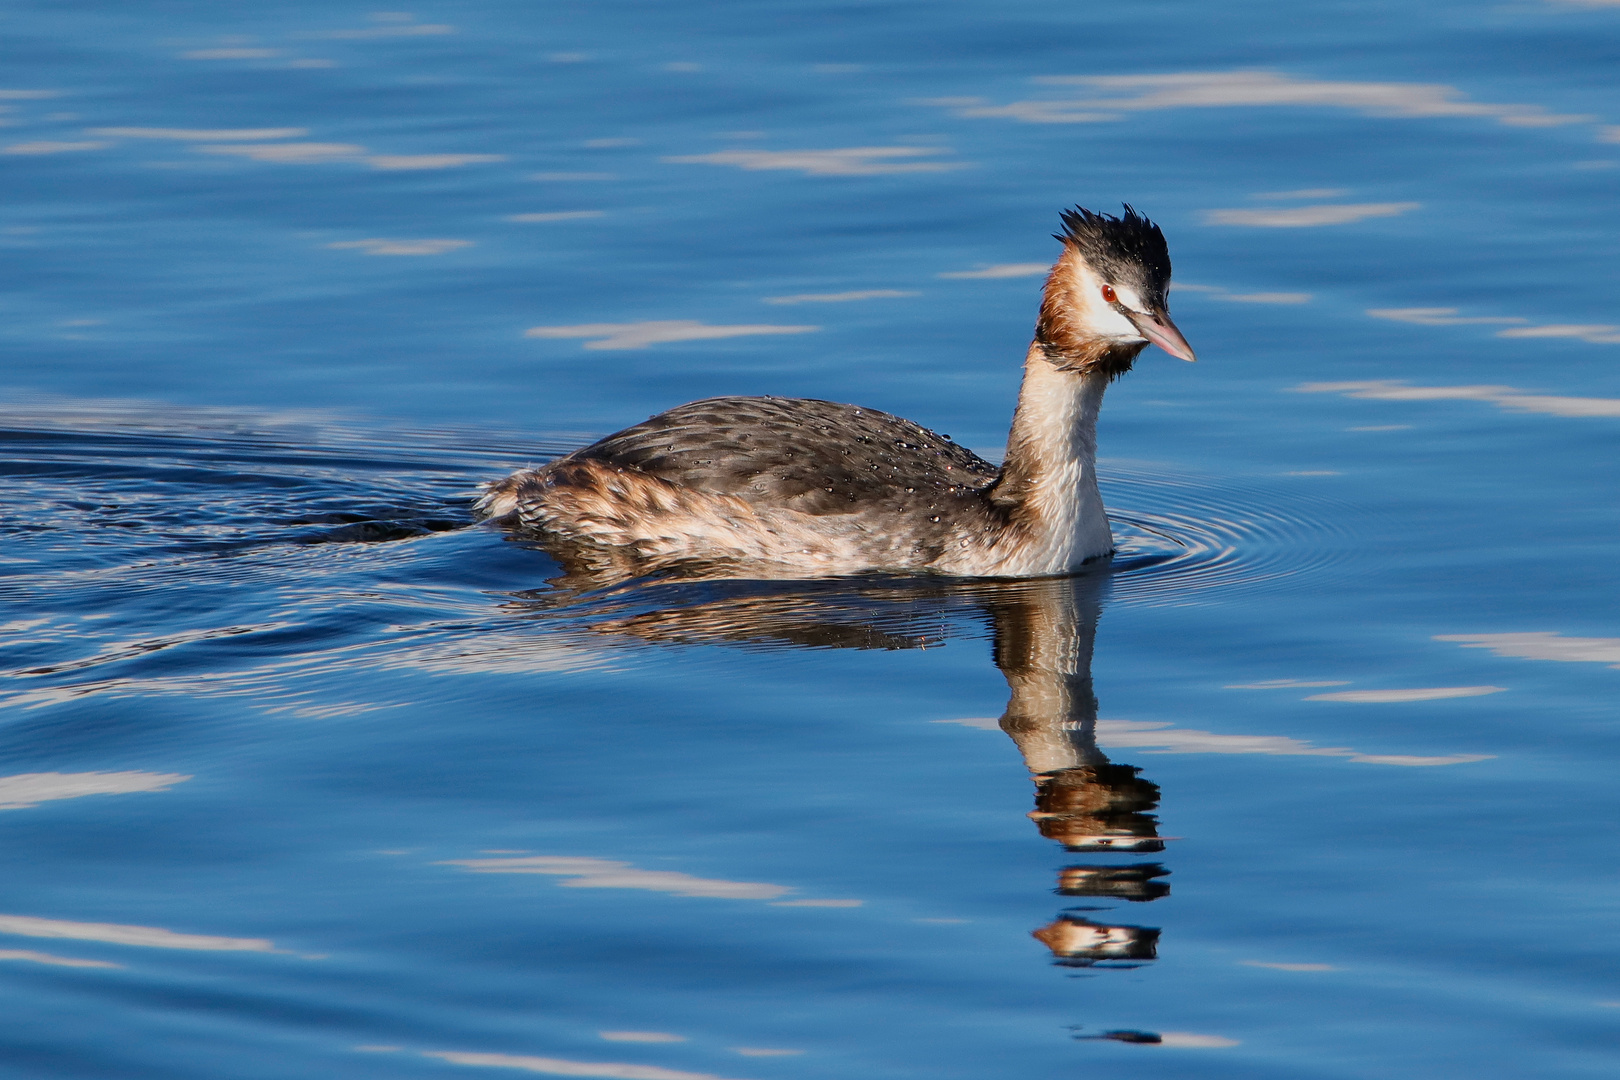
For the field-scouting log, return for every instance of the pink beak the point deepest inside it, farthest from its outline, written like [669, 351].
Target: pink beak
[1163, 333]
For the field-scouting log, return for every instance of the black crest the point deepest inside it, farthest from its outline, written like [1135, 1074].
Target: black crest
[1129, 248]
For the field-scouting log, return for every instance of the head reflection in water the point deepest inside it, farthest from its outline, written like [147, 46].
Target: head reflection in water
[1043, 630]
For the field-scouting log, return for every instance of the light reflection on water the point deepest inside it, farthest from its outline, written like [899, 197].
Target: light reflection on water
[305, 775]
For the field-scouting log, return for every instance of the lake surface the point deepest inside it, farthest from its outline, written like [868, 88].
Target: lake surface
[304, 775]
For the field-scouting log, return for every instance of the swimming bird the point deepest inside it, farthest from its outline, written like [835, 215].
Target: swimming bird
[797, 488]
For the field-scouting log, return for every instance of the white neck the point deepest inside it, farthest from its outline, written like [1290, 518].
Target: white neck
[1050, 474]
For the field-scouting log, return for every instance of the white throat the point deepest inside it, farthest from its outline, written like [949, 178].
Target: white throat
[1052, 452]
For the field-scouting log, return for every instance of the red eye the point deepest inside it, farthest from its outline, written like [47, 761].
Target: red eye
[1109, 294]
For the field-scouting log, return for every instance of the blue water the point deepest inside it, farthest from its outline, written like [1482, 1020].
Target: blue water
[305, 776]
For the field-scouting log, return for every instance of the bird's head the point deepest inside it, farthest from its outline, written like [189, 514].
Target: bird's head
[1106, 299]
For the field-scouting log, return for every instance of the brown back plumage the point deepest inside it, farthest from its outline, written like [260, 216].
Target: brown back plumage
[816, 457]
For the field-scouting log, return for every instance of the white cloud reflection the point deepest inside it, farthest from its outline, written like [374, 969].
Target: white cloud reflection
[849, 161]
[555, 215]
[1000, 270]
[1505, 397]
[1304, 193]
[1150, 737]
[198, 134]
[587, 873]
[839, 297]
[1301, 217]
[1287, 967]
[376, 33]
[640, 335]
[30, 789]
[1162, 738]
[54, 960]
[1215, 292]
[317, 153]
[1596, 333]
[115, 934]
[1283, 684]
[50, 146]
[230, 54]
[764, 1051]
[608, 1070]
[1416, 693]
[1110, 97]
[641, 1036]
[1543, 645]
[306, 153]
[400, 162]
[378, 246]
[1438, 316]
[1267, 298]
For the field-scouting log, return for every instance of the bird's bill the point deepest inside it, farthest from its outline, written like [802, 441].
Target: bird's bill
[1163, 333]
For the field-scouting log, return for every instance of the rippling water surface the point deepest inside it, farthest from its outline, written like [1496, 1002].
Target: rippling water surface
[304, 775]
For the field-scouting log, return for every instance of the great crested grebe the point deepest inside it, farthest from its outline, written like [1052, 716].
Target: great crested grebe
[794, 487]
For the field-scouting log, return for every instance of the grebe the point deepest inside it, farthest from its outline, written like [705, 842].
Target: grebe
[792, 487]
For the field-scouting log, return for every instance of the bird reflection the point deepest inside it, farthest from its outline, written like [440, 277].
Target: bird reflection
[1043, 633]
[1090, 805]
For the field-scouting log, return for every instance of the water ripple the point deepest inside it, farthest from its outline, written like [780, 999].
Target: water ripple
[1185, 538]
